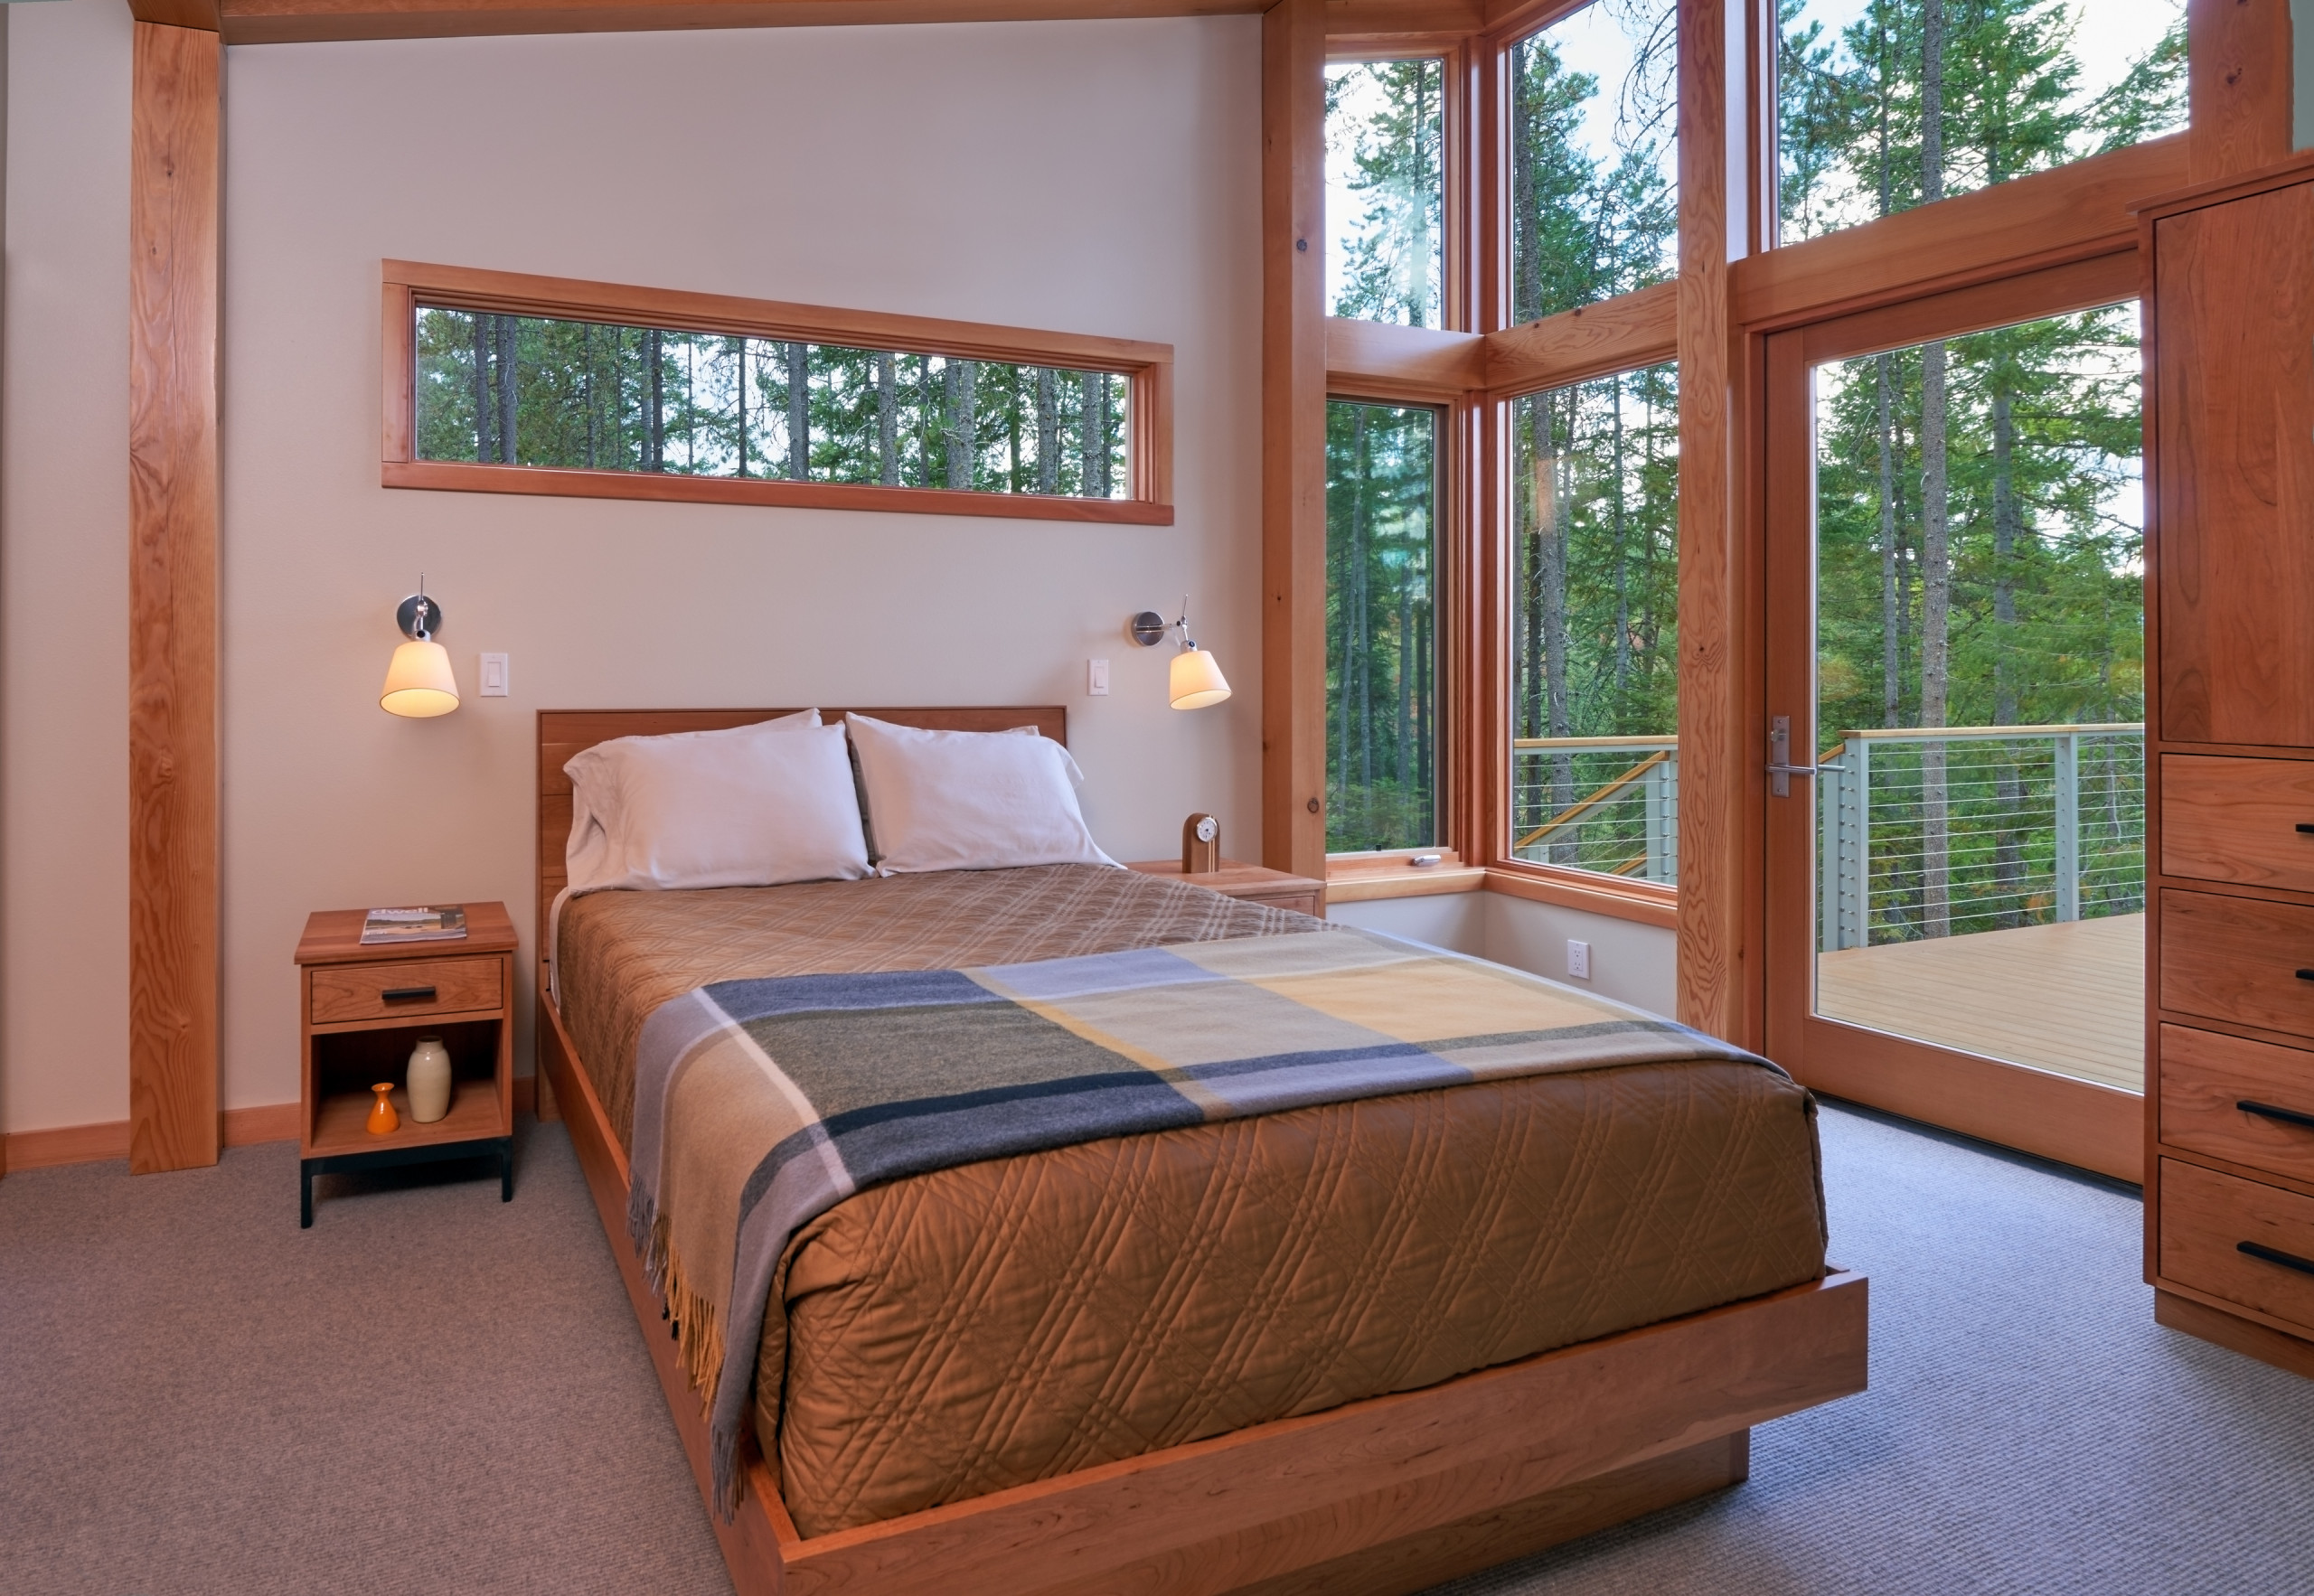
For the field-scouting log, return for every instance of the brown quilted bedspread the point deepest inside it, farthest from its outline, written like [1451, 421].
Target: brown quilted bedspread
[983, 1326]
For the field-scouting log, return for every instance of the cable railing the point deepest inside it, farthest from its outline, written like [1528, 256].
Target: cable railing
[1940, 833]
[1959, 830]
[1598, 804]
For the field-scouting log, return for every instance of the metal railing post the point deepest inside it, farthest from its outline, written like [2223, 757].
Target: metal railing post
[1663, 821]
[1855, 860]
[2068, 825]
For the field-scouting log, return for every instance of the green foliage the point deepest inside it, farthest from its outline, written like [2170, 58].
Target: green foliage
[1850, 111]
[1585, 228]
[1386, 124]
[539, 391]
[1381, 628]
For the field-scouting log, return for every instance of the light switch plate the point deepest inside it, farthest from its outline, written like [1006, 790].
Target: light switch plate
[1096, 678]
[493, 676]
[1579, 959]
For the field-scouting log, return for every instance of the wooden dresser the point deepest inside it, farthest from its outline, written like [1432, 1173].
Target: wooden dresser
[2229, 1185]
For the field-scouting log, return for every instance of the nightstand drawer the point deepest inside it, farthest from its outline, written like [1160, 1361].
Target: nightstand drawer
[2206, 1219]
[2238, 820]
[2207, 1077]
[344, 993]
[2238, 958]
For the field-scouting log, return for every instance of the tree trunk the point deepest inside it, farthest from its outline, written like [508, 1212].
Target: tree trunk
[486, 413]
[1892, 669]
[799, 411]
[1358, 652]
[739, 355]
[1094, 436]
[888, 419]
[507, 328]
[2008, 848]
[1048, 433]
[1551, 526]
[1936, 558]
[962, 380]
[653, 356]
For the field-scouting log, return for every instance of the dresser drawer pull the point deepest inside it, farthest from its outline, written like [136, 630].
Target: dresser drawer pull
[2306, 975]
[2287, 1115]
[425, 994]
[2276, 1255]
[2307, 827]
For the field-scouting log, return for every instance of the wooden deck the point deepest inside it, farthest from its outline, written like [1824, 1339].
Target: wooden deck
[2068, 997]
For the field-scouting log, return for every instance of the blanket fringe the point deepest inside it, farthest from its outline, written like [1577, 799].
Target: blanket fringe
[696, 1321]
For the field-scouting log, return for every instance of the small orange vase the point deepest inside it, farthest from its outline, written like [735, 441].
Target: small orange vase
[384, 1121]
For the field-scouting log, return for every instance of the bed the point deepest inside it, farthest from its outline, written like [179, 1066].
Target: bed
[1414, 1378]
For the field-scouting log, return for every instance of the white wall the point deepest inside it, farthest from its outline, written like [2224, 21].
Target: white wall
[1630, 962]
[65, 570]
[1099, 177]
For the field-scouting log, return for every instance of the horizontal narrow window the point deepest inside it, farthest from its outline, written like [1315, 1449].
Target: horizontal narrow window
[1594, 753]
[492, 386]
[532, 391]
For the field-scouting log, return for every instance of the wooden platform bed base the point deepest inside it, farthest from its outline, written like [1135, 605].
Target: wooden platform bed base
[1375, 1498]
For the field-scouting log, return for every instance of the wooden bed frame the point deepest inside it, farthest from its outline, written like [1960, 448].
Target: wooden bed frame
[1372, 1498]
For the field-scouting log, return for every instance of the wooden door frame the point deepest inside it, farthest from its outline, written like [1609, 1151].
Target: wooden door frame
[2054, 1116]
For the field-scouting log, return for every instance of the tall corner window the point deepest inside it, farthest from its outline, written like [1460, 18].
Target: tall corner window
[1593, 156]
[1385, 191]
[1594, 753]
[1382, 650]
[1883, 105]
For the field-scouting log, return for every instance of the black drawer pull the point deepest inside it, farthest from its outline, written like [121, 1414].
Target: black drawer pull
[2307, 827]
[2287, 1115]
[425, 994]
[2275, 1255]
[2306, 975]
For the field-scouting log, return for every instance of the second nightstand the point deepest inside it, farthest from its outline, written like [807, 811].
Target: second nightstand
[361, 1010]
[1255, 883]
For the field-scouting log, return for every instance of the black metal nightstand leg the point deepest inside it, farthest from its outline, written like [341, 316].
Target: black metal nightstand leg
[506, 1169]
[304, 1194]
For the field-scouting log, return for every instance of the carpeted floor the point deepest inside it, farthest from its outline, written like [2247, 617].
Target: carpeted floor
[431, 1392]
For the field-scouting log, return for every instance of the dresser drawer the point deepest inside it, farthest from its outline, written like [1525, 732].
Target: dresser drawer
[2205, 1216]
[404, 987]
[2238, 958]
[2238, 820]
[2204, 1079]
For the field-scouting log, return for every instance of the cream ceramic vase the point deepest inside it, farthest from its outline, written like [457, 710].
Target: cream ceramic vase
[429, 1080]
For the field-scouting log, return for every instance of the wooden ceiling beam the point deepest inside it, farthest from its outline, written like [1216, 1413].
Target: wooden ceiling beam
[295, 21]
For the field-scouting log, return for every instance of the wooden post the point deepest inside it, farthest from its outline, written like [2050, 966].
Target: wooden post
[1294, 438]
[173, 845]
[2238, 86]
[1718, 962]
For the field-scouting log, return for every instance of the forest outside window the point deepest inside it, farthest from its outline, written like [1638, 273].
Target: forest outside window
[1884, 105]
[1594, 754]
[520, 397]
[1594, 157]
[1382, 701]
[1385, 191]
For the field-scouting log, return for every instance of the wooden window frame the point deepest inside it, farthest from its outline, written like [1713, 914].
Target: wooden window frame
[1147, 368]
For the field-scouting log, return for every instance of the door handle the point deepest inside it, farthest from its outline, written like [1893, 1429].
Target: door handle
[1781, 770]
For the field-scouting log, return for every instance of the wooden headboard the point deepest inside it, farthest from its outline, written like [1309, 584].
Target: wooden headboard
[563, 732]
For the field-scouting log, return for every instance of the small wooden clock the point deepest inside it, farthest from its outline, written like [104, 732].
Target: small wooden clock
[1200, 845]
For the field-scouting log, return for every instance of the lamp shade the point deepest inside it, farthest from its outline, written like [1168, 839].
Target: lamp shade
[1197, 681]
[420, 681]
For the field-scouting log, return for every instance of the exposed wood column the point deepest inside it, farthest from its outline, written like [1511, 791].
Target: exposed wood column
[2238, 85]
[174, 230]
[1293, 437]
[1719, 945]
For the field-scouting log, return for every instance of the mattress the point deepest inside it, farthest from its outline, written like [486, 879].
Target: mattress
[983, 1327]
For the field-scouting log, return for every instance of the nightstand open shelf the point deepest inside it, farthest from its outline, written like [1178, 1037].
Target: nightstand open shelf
[364, 1007]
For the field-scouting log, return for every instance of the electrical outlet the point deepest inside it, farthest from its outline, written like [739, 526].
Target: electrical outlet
[493, 676]
[1579, 959]
[1096, 678]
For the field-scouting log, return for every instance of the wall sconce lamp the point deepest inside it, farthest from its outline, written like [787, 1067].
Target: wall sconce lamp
[1197, 680]
[420, 681]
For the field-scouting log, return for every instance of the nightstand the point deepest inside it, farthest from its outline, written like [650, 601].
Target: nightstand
[361, 1009]
[1255, 883]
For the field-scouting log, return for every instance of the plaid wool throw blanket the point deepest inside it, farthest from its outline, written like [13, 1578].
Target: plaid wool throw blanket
[761, 1104]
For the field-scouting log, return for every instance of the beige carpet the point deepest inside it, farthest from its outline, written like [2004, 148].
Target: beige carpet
[430, 1392]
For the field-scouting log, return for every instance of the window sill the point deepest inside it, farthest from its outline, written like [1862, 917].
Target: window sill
[1361, 877]
[1643, 902]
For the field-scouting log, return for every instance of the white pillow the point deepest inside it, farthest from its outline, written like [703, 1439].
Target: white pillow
[969, 800]
[752, 806]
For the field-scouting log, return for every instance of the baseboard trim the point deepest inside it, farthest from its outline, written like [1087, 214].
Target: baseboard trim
[237, 1127]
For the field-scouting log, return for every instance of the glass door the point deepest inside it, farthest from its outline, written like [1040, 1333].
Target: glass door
[1955, 749]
